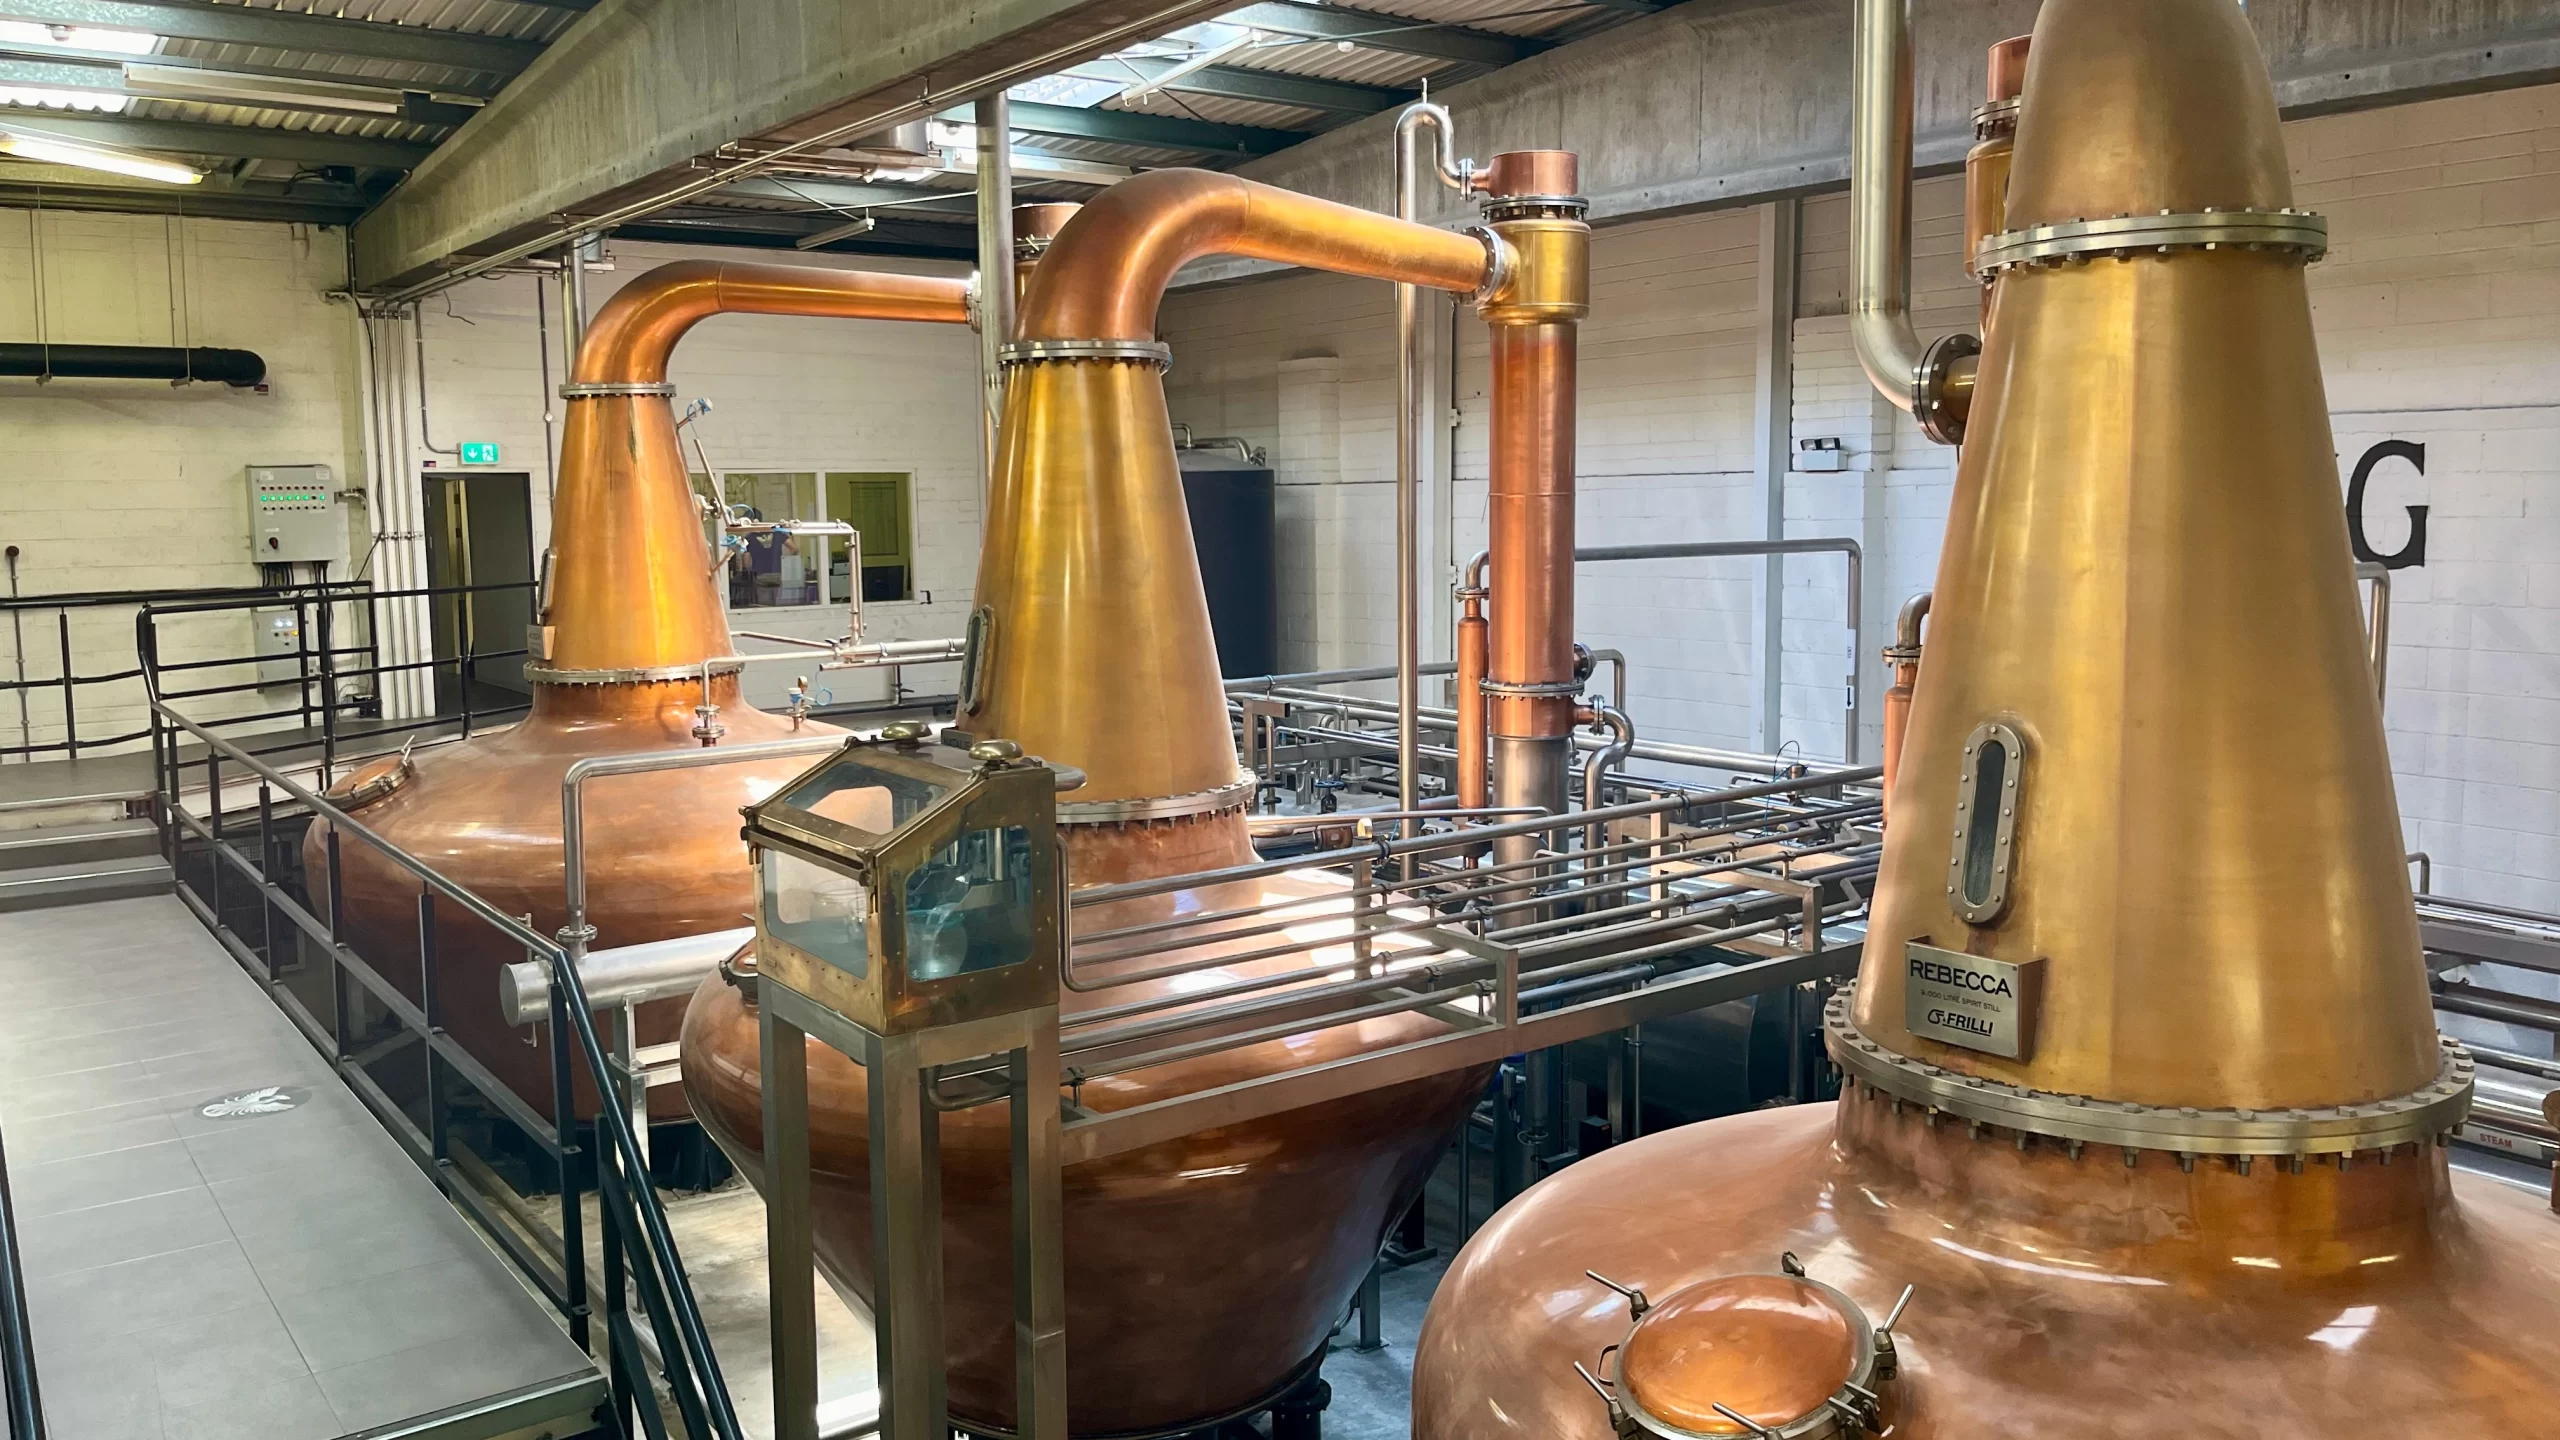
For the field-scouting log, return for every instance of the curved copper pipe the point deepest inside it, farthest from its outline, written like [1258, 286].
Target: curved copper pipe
[1108, 269]
[631, 588]
[630, 338]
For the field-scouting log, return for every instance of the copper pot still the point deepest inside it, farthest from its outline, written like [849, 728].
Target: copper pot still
[2195, 1182]
[1203, 1275]
[637, 641]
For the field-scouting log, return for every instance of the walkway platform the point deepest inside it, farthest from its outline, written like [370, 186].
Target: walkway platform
[220, 1240]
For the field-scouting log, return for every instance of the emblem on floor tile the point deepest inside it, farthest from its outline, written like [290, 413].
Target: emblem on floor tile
[265, 1100]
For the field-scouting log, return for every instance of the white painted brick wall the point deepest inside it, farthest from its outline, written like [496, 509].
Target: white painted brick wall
[1665, 453]
[2439, 318]
[122, 484]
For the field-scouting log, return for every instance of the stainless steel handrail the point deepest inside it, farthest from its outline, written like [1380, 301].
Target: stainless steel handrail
[657, 1266]
[17, 1339]
[1734, 549]
[1474, 835]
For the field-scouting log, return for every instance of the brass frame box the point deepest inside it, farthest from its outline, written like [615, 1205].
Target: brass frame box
[907, 885]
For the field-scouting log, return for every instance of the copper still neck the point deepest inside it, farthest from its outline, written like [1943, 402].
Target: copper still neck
[631, 591]
[2147, 769]
[1093, 643]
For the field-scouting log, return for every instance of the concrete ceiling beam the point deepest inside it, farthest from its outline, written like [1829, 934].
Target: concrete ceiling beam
[639, 99]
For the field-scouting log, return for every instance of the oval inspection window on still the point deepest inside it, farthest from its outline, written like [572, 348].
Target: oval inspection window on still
[1985, 856]
[1982, 829]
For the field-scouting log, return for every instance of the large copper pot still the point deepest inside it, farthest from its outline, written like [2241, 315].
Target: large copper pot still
[2209, 1195]
[1203, 1275]
[637, 636]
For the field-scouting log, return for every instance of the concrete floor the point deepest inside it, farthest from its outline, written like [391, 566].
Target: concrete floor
[219, 1239]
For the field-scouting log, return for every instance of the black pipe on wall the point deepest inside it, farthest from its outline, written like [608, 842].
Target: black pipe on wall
[241, 368]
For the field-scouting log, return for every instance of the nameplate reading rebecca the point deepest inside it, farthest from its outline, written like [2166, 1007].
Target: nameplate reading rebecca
[1960, 999]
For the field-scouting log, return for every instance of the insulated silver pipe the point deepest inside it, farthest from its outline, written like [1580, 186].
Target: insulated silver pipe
[1854, 588]
[1246, 685]
[1433, 718]
[1622, 733]
[1880, 201]
[2378, 628]
[995, 265]
[1459, 175]
[623, 975]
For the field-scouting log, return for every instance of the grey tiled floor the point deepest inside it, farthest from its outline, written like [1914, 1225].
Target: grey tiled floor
[289, 1276]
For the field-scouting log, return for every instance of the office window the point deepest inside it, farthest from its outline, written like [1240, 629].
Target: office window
[877, 505]
[782, 570]
[773, 569]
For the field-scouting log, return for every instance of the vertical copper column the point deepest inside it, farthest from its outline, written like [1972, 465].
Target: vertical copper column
[1475, 787]
[1987, 165]
[1535, 314]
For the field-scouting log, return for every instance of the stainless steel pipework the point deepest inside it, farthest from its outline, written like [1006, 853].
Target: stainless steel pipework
[1880, 200]
[1622, 732]
[995, 272]
[1459, 175]
[1854, 594]
[1933, 383]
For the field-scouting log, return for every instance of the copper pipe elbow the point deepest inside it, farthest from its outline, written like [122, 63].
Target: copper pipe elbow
[630, 338]
[1107, 271]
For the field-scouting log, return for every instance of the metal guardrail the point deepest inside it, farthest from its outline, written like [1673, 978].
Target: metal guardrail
[640, 1257]
[318, 708]
[82, 671]
[25, 1404]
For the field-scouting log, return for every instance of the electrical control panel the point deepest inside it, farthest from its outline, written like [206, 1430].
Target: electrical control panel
[295, 516]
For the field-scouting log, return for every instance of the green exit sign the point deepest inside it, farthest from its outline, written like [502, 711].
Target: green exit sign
[479, 452]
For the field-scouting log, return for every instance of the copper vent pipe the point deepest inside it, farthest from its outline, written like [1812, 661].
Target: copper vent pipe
[629, 593]
[1108, 270]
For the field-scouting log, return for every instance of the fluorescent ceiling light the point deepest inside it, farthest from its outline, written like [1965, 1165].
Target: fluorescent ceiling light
[47, 97]
[61, 150]
[223, 86]
[79, 37]
[845, 231]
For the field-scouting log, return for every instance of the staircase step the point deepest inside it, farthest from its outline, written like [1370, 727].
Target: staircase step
[77, 844]
[40, 887]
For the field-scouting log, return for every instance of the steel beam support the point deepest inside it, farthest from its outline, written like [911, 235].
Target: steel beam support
[1712, 105]
[1164, 132]
[1232, 82]
[247, 142]
[477, 85]
[1374, 31]
[233, 24]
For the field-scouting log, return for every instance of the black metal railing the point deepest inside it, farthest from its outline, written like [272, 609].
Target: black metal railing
[89, 658]
[337, 685]
[84, 705]
[219, 879]
[17, 1341]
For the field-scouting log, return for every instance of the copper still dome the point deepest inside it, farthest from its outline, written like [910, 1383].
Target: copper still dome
[2143, 1099]
[1203, 1274]
[638, 641]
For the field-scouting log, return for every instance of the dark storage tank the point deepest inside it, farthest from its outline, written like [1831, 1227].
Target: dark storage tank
[1234, 528]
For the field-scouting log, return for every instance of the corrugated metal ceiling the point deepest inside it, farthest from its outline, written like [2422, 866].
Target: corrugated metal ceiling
[1389, 71]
